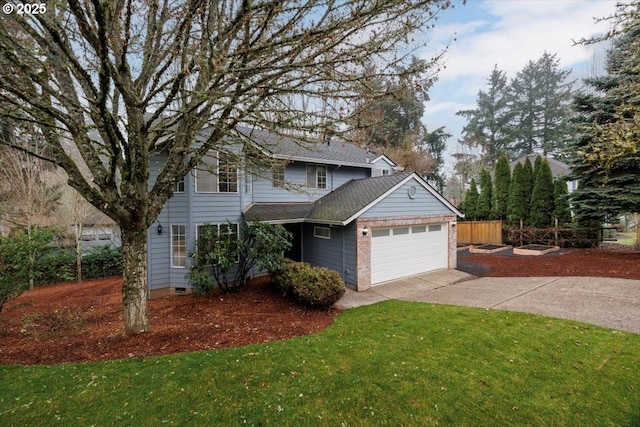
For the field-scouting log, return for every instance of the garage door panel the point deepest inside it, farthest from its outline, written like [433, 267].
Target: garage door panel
[405, 251]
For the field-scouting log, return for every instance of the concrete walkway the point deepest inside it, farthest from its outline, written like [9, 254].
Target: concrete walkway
[612, 303]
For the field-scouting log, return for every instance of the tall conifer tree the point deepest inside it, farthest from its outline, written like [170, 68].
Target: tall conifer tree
[606, 157]
[561, 208]
[542, 196]
[484, 207]
[517, 206]
[501, 184]
[527, 188]
[470, 201]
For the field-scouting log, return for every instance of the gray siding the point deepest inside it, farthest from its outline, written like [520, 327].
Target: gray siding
[324, 252]
[399, 203]
[349, 248]
[296, 176]
[380, 165]
[192, 209]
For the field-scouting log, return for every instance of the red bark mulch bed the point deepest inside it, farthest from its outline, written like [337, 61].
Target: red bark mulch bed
[77, 323]
[610, 261]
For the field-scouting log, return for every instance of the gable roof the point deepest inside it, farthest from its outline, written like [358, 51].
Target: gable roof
[352, 197]
[342, 205]
[335, 152]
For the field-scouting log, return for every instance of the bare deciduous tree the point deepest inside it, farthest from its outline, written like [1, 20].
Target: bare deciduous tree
[30, 189]
[111, 83]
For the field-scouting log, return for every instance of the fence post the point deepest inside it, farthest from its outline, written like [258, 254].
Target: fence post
[521, 224]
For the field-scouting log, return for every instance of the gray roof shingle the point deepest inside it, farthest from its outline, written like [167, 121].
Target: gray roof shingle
[337, 206]
[273, 212]
[348, 199]
[557, 167]
[335, 152]
[340, 206]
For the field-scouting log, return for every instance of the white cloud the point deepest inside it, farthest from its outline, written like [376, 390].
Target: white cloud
[516, 32]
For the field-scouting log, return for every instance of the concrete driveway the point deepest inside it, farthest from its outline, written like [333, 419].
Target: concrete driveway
[612, 303]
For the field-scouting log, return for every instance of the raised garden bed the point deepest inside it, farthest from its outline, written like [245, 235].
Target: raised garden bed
[463, 246]
[535, 249]
[488, 249]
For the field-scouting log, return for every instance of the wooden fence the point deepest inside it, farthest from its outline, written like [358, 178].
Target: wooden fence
[479, 232]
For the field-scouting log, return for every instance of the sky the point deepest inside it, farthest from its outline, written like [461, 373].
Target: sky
[506, 33]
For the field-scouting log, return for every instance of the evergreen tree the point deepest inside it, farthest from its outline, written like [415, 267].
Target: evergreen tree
[487, 125]
[502, 181]
[470, 201]
[517, 206]
[434, 144]
[536, 167]
[484, 206]
[561, 208]
[527, 188]
[539, 102]
[606, 157]
[542, 196]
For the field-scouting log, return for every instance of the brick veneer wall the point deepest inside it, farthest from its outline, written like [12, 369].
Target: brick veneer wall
[363, 242]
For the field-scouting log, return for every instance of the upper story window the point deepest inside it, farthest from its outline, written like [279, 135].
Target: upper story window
[248, 183]
[317, 176]
[179, 187]
[386, 172]
[278, 176]
[217, 175]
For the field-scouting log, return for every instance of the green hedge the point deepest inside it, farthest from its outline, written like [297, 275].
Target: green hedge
[60, 266]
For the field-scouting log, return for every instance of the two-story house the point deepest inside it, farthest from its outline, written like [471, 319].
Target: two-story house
[346, 208]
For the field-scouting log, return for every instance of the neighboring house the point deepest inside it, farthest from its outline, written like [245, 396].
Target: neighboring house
[100, 230]
[345, 207]
[558, 169]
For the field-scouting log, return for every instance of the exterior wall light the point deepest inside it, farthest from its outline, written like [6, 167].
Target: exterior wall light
[159, 228]
[365, 230]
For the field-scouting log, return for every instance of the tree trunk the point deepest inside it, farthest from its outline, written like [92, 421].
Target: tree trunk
[134, 285]
[78, 232]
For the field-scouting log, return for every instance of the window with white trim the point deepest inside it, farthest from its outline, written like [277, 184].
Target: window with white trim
[231, 229]
[278, 176]
[178, 246]
[248, 183]
[322, 232]
[179, 187]
[217, 174]
[317, 176]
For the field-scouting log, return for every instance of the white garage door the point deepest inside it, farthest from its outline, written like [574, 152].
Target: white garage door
[404, 251]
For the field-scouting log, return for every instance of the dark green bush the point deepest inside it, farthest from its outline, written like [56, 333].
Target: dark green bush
[102, 261]
[225, 260]
[57, 266]
[308, 285]
[60, 265]
[18, 266]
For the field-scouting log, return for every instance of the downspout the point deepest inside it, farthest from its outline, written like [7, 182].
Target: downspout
[302, 242]
[344, 273]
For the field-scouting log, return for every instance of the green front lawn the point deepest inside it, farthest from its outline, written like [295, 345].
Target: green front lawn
[390, 364]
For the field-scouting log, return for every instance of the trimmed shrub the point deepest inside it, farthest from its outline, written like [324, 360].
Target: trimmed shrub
[310, 286]
[18, 267]
[58, 266]
[101, 261]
